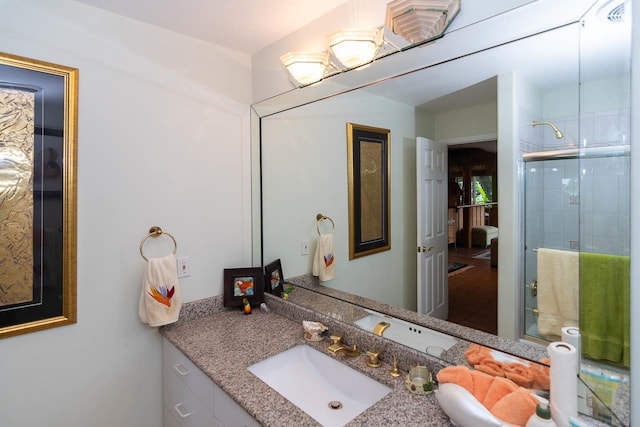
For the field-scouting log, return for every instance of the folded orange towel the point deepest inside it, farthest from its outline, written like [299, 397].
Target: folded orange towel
[476, 353]
[540, 377]
[515, 407]
[532, 376]
[519, 374]
[498, 389]
[491, 367]
[459, 374]
[481, 384]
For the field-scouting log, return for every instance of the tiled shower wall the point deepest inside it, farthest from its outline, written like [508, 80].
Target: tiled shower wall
[578, 204]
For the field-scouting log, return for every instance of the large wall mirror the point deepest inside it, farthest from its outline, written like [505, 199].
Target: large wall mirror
[38, 109]
[575, 74]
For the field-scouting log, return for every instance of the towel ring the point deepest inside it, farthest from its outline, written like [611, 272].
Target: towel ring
[154, 232]
[320, 218]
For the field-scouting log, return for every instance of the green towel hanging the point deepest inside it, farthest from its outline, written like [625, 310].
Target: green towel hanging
[604, 307]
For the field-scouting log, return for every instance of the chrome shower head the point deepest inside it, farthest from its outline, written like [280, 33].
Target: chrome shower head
[559, 134]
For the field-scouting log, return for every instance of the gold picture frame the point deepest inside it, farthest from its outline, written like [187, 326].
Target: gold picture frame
[369, 164]
[38, 210]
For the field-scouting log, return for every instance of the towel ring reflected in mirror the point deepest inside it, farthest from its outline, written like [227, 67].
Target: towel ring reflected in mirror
[154, 232]
[320, 217]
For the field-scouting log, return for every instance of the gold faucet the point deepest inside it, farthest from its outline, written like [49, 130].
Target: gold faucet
[337, 347]
[380, 328]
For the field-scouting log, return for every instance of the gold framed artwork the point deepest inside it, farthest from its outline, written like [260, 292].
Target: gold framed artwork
[38, 142]
[368, 157]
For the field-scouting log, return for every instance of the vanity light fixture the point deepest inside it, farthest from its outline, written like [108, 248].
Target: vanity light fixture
[419, 21]
[354, 48]
[306, 67]
[415, 21]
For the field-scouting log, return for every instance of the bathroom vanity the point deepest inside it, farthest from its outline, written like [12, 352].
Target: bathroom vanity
[218, 345]
[224, 343]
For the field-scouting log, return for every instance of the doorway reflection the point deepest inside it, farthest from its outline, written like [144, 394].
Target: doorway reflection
[473, 236]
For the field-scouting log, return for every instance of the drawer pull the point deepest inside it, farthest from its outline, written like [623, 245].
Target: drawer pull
[181, 369]
[182, 414]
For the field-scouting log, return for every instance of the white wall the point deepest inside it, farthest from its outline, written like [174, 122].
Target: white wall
[470, 121]
[510, 91]
[301, 146]
[163, 140]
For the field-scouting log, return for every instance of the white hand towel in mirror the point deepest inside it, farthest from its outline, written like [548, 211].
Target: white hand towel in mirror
[324, 266]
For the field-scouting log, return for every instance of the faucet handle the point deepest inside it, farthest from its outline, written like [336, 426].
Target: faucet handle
[395, 372]
[336, 338]
[374, 358]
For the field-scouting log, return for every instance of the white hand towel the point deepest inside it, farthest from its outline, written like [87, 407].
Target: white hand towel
[557, 290]
[324, 265]
[160, 299]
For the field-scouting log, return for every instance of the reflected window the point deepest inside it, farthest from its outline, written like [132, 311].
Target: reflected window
[482, 189]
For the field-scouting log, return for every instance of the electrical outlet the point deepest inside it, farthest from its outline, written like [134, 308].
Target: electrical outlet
[304, 247]
[184, 267]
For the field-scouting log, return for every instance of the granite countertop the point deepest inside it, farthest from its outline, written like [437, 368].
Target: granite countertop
[225, 343]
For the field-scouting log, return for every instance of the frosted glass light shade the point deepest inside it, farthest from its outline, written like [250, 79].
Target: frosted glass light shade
[306, 67]
[356, 47]
[420, 20]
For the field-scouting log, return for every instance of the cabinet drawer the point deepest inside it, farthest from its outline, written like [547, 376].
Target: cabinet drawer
[167, 419]
[229, 413]
[184, 407]
[178, 365]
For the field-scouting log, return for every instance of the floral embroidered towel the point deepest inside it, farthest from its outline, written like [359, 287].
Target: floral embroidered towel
[324, 265]
[160, 299]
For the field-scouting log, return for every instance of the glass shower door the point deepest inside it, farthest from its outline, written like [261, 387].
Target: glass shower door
[552, 218]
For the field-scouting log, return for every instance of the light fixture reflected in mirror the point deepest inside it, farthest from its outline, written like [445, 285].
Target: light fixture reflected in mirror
[306, 67]
[418, 21]
[356, 47]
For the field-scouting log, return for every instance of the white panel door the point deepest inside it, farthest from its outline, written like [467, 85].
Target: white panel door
[432, 228]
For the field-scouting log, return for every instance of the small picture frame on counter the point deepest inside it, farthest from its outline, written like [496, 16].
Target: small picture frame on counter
[241, 283]
[274, 278]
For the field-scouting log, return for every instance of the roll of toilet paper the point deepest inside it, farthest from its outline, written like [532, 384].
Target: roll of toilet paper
[571, 335]
[564, 388]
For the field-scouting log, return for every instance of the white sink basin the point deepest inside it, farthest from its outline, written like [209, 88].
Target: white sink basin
[313, 381]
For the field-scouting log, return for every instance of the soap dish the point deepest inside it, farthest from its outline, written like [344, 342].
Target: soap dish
[419, 380]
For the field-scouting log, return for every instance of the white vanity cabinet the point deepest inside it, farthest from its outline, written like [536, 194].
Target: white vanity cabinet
[191, 399]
